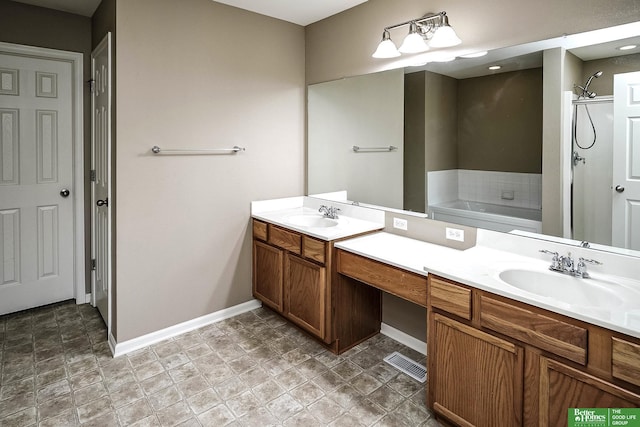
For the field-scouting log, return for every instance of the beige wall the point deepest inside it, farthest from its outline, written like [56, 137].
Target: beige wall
[552, 157]
[603, 85]
[414, 189]
[441, 122]
[190, 77]
[36, 26]
[500, 122]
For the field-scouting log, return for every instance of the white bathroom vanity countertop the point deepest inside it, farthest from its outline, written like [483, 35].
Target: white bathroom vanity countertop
[352, 220]
[480, 267]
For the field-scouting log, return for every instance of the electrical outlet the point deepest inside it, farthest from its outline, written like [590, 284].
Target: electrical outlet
[455, 234]
[400, 223]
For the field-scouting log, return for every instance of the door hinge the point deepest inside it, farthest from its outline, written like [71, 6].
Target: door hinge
[92, 175]
[93, 264]
[92, 85]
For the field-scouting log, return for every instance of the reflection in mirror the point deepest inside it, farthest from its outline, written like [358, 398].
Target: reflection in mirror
[470, 140]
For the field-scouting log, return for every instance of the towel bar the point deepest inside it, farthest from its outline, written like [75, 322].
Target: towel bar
[157, 150]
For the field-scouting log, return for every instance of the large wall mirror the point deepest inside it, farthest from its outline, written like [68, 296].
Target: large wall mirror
[463, 142]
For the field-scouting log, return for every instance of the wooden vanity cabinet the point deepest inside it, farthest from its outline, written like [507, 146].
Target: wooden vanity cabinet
[268, 275]
[305, 294]
[292, 274]
[563, 387]
[289, 275]
[475, 379]
[495, 361]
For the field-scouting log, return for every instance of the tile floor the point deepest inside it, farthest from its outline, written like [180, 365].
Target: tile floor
[254, 369]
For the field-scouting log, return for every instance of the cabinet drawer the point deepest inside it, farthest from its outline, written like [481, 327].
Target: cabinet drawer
[398, 282]
[313, 249]
[625, 361]
[284, 239]
[451, 298]
[259, 230]
[564, 339]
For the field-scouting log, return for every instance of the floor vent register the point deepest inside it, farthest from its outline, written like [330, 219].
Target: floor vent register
[408, 366]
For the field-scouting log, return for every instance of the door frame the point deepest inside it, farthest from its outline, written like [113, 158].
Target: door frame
[77, 131]
[105, 43]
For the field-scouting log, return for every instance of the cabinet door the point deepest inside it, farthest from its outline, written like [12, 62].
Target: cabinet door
[475, 378]
[562, 387]
[268, 274]
[305, 294]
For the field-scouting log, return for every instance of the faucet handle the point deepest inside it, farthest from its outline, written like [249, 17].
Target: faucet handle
[589, 261]
[581, 269]
[556, 261]
[544, 251]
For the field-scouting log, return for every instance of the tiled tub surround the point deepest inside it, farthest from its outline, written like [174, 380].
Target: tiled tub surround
[486, 187]
[254, 369]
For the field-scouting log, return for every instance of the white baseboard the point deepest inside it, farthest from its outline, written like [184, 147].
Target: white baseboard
[118, 349]
[112, 344]
[403, 338]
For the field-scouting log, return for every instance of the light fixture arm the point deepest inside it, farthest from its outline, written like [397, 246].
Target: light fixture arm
[428, 17]
[431, 30]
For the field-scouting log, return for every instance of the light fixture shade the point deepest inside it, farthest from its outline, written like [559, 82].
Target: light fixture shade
[413, 43]
[445, 36]
[387, 48]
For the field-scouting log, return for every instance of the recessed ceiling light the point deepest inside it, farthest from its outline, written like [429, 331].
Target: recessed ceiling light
[474, 55]
[628, 47]
[495, 67]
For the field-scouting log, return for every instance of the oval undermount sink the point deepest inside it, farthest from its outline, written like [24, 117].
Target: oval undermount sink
[571, 290]
[312, 221]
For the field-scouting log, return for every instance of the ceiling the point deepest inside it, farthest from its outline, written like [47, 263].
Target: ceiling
[296, 11]
[587, 46]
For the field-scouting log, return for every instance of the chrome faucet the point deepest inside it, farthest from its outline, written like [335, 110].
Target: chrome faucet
[581, 268]
[329, 211]
[566, 264]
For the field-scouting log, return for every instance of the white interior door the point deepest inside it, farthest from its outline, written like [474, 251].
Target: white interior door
[626, 158]
[101, 165]
[36, 182]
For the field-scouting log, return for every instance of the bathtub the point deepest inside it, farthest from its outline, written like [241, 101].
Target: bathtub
[488, 216]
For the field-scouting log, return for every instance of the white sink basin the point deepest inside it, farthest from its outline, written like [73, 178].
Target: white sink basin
[311, 221]
[568, 289]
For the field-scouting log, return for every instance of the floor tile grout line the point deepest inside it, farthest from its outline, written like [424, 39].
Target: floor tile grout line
[286, 344]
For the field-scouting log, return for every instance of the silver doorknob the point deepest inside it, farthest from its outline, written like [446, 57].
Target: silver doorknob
[619, 188]
[65, 192]
[104, 202]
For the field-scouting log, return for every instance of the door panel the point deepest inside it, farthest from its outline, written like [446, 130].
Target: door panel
[36, 161]
[101, 164]
[626, 152]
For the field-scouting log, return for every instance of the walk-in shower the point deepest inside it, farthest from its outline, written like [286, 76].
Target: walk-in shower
[591, 163]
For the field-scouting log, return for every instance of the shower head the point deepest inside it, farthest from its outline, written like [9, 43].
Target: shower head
[594, 75]
[585, 90]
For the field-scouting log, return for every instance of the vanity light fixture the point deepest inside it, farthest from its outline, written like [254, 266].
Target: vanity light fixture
[387, 48]
[430, 30]
[413, 43]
